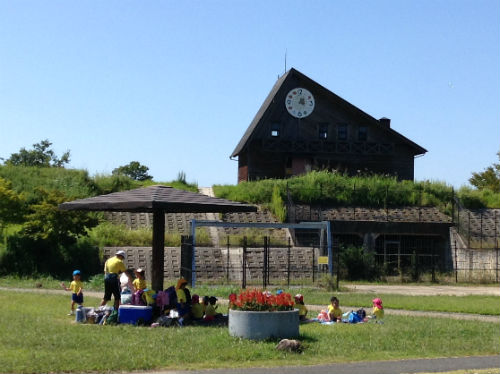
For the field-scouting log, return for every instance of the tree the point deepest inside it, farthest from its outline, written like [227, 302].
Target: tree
[11, 204]
[134, 170]
[47, 222]
[50, 240]
[490, 178]
[41, 155]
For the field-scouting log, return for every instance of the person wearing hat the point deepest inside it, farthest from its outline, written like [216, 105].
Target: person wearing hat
[378, 309]
[113, 267]
[76, 287]
[299, 304]
[183, 298]
[139, 282]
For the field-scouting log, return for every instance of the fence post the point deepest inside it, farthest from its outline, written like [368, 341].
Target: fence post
[264, 264]
[456, 263]
[468, 233]
[268, 266]
[289, 248]
[433, 278]
[244, 275]
[452, 205]
[227, 261]
[481, 230]
[313, 264]
[386, 206]
[337, 246]
[496, 247]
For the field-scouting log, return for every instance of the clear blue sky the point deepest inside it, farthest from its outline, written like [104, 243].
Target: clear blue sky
[175, 84]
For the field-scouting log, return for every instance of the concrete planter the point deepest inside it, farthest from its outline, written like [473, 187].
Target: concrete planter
[263, 325]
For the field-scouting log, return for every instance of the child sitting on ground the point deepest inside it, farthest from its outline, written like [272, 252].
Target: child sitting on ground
[211, 309]
[205, 302]
[299, 304]
[334, 312]
[196, 308]
[76, 287]
[139, 282]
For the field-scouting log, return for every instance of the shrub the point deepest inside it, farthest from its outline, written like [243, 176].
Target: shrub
[357, 264]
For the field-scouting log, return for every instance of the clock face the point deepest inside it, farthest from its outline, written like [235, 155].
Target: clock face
[299, 102]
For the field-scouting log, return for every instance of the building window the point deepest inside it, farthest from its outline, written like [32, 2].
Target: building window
[275, 130]
[362, 134]
[323, 131]
[342, 132]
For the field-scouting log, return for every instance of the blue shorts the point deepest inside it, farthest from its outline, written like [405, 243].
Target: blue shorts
[77, 298]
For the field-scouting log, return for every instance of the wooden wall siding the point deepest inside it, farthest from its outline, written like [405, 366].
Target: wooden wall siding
[265, 154]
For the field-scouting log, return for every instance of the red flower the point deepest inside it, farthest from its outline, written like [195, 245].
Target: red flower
[258, 300]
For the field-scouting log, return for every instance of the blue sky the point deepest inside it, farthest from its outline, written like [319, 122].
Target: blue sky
[175, 84]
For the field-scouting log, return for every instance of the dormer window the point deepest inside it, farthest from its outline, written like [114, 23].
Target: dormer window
[342, 132]
[323, 131]
[362, 134]
[275, 130]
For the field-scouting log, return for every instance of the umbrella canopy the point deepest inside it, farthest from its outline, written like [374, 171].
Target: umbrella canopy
[149, 199]
[157, 200]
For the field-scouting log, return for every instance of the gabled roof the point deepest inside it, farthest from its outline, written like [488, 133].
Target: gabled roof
[335, 99]
[148, 199]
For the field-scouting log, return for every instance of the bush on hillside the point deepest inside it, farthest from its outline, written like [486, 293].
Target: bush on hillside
[357, 264]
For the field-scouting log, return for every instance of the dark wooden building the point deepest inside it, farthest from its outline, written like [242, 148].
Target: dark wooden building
[302, 126]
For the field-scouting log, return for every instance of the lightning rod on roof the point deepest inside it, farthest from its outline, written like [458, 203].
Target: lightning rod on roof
[285, 60]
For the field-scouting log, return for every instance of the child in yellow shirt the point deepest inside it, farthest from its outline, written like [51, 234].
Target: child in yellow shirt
[76, 287]
[139, 282]
[334, 312]
[196, 308]
[299, 304]
[378, 310]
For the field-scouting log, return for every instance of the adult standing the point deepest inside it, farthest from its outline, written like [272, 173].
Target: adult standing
[113, 267]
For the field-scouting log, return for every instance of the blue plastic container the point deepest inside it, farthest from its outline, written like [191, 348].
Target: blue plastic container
[133, 313]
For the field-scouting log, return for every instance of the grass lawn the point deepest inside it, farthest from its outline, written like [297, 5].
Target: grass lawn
[473, 304]
[37, 337]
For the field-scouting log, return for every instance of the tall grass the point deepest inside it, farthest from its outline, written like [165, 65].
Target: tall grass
[323, 187]
[107, 234]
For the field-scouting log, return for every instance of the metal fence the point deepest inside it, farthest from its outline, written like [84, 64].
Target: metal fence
[480, 228]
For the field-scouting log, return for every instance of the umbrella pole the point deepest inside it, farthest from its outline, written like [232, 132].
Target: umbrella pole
[158, 249]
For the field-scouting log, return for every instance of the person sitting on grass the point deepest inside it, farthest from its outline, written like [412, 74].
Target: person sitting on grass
[211, 310]
[139, 282]
[183, 299]
[299, 304]
[76, 287]
[334, 312]
[196, 308]
[205, 302]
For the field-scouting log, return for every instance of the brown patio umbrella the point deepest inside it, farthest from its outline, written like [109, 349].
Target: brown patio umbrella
[157, 200]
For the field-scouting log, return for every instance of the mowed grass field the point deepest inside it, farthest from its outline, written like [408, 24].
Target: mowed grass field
[38, 337]
[474, 304]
